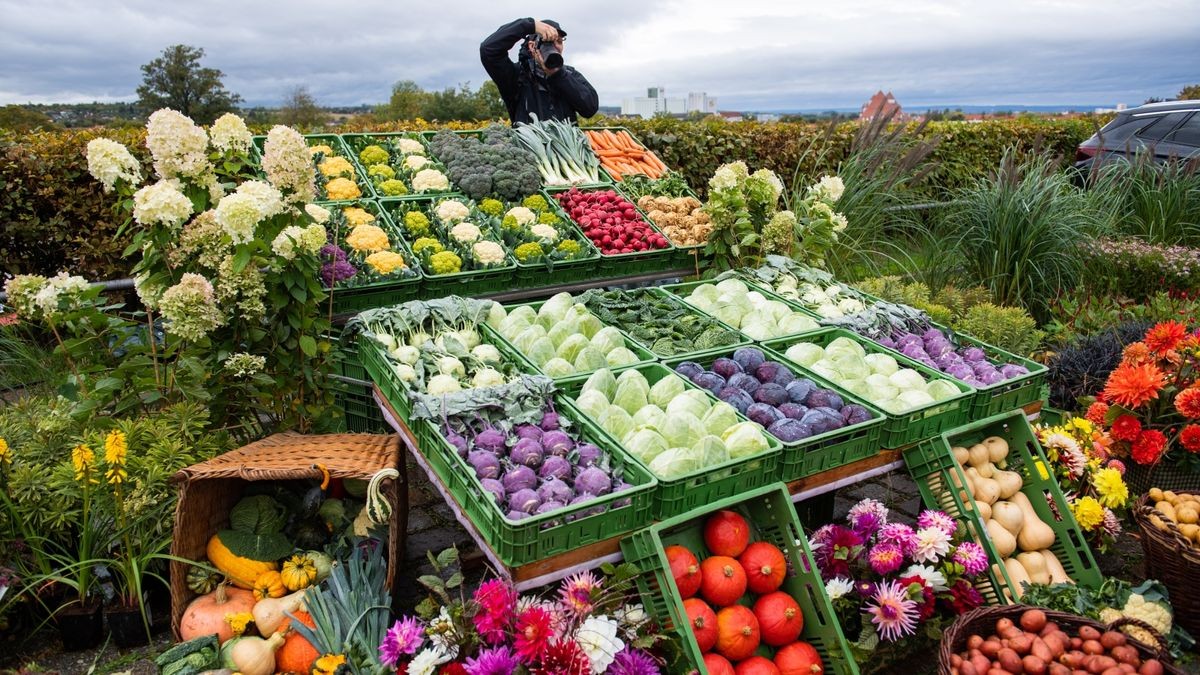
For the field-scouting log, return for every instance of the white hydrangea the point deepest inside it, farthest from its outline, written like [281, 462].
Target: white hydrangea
[522, 215]
[238, 215]
[409, 146]
[319, 214]
[724, 179]
[430, 180]
[284, 244]
[415, 162]
[60, 293]
[544, 231]
[161, 203]
[829, 188]
[178, 146]
[772, 180]
[451, 211]
[313, 238]
[288, 164]
[229, 134]
[241, 364]
[839, 222]
[149, 293]
[465, 232]
[109, 161]
[597, 637]
[265, 196]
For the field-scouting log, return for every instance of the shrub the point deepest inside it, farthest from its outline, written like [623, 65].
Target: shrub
[1082, 367]
[1083, 312]
[1009, 328]
[1137, 270]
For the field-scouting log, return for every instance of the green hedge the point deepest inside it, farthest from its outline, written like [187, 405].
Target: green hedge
[53, 216]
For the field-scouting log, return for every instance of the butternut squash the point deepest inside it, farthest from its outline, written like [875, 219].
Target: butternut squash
[977, 455]
[1017, 575]
[1009, 515]
[961, 454]
[242, 572]
[997, 449]
[985, 510]
[985, 489]
[270, 614]
[998, 573]
[255, 655]
[1035, 566]
[1035, 535]
[1010, 483]
[1001, 538]
[1058, 575]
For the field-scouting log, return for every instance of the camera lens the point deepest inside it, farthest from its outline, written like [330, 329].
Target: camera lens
[551, 55]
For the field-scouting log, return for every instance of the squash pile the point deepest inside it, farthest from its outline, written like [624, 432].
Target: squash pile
[742, 622]
[1182, 509]
[1020, 537]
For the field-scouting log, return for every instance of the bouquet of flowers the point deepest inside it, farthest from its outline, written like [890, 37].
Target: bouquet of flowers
[1150, 405]
[887, 579]
[1080, 451]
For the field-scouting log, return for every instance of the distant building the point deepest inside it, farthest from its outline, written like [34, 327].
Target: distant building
[656, 102]
[699, 101]
[730, 116]
[880, 105]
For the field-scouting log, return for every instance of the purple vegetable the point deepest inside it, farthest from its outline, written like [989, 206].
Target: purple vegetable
[792, 410]
[459, 443]
[737, 398]
[824, 398]
[726, 367]
[783, 374]
[981, 368]
[689, 369]
[973, 354]
[527, 452]
[516, 515]
[557, 443]
[622, 503]
[914, 351]
[790, 430]
[887, 342]
[528, 431]
[710, 381]
[772, 394]
[496, 488]
[555, 467]
[519, 478]
[749, 358]
[744, 381]
[992, 376]
[523, 500]
[553, 489]
[1011, 370]
[855, 414]
[933, 334]
[946, 360]
[764, 414]
[486, 464]
[594, 481]
[798, 390]
[909, 339]
[548, 506]
[492, 440]
[822, 420]
[549, 421]
[580, 499]
[586, 455]
[765, 372]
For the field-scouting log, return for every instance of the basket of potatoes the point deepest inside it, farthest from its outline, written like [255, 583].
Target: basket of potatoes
[1170, 527]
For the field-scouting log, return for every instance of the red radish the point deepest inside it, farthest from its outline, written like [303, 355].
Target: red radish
[756, 665]
[726, 533]
[722, 580]
[765, 567]
[610, 221]
[799, 658]
[717, 664]
[703, 622]
[780, 618]
[685, 569]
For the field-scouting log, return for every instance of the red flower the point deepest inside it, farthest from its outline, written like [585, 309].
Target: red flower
[534, 629]
[1096, 413]
[1165, 336]
[454, 668]
[924, 600]
[1149, 446]
[1126, 428]
[965, 597]
[1188, 403]
[1189, 438]
[563, 658]
[1134, 385]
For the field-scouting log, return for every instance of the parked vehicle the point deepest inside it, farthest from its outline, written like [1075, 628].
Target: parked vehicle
[1170, 129]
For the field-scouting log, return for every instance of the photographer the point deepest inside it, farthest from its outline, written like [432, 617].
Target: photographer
[538, 83]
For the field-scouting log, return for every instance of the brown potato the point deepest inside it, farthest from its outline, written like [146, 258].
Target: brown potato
[1021, 644]
[1126, 654]
[1112, 639]
[1072, 659]
[1058, 669]
[1115, 670]
[1126, 668]
[1156, 494]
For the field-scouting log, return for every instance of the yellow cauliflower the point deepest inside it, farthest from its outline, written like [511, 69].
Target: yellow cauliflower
[368, 238]
[336, 166]
[1137, 607]
[321, 148]
[386, 262]
[356, 216]
[341, 189]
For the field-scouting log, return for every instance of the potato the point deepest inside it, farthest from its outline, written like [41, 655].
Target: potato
[1151, 667]
[1021, 644]
[990, 648]
[1156, 494]
[1003, 625]
[1126, 654]
[1112, 639]
[1009, 660]
[1033, 620]
[1167, 511]
[1033, 665]
[1126, 668]
[1187, 514]
[1041, 650]
[1100, 664]
[1072, 659]
[1169, 496]
[1092, 647]
[1189, 530]
[1088, 633]
[1115, 670]
[1059, 669]
[1054, 644]
[974, 641]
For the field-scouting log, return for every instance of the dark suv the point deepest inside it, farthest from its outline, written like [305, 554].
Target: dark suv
[1170, 130]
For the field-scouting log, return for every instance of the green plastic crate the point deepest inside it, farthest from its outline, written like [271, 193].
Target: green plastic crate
[773, 519]
[935, 459]
[356, 142]
[360, 413]
[539, 537]
[623, 264]
[654, 290]
[686, 256]
[1010, 394]
[823, 451]
[680, 495]
[345, 359]
[644, 355]
[540, 274]
[375, 362]
[908, 427]
[685, 289]
[347, 299]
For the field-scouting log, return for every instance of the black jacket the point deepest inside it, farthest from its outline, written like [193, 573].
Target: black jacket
[525, 89]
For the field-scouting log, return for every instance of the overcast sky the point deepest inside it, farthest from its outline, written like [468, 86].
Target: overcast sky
[751, 54]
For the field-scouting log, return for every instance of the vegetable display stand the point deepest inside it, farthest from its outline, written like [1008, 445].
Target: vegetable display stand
[773, 519]
[684, 290]
[703, 486]
[359, 412]
[355, 143]
[375, 362]
[673, 307]
[354, 298]
[908, 427]
[208, 490]
[620, 264]
[1172, 558]
[1015, 392]
[518, 542]
[1025, 456]
[982, 621]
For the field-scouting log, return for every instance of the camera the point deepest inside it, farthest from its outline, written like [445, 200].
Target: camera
[551, 54]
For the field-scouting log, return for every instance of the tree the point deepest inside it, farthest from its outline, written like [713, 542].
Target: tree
[176, 80]
[491, 104]
[19, 118]
[300, 109]
[407, 103]
[1189, 93]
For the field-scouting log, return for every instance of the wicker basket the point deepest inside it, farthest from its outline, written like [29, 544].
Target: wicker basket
[1172, 559]
[208, 490]
[982, 621]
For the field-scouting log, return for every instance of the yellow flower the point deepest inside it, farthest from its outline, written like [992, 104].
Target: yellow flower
[368, 238]
[355, 216]
[5, 452]
[238, 622]
[328, 664]
[1088, 513]
[115, 446]
[82, 459]
[324, 149]
[341, 189]
[386, 262]
[1111, 488]
[336, 166]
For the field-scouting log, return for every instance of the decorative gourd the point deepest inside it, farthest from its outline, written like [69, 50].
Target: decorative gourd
[1035, 566]
[241, 571]
[1035, 535]
[997, 449]
[722, 580]
[1017, 575]
[201, 581]
[1002, 539]
[1058, 575]
[1010, 483]
[298, 571]
[1009, 515]
[227, 653]
[799, 658]
[270, 614]
[255, 655]
[324, 564]
[985, 489]
[269, 584]
[685, 569]
[206, 614]
[297, 654]
[961, 454]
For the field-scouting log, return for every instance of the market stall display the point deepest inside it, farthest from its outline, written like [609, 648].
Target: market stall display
[366, 262]
[758, 313]
[622, 156]
[397, 164]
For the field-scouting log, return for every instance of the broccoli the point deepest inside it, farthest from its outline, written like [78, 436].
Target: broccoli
[495, 166]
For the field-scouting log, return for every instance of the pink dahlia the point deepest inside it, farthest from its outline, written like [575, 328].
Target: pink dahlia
[885, 559]
[493, 661]
[900, 535]
[404, 637]
[867, 516]
[938, 519]
[577, 593]
[894, 615]
[972, 557]
[497, 602]
[633, 662]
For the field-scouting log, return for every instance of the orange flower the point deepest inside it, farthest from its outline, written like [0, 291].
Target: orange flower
[1133, 385]
[1136, 353]
[1189, 438]
[1096, 413]
[1165, 336]
[1188, 403]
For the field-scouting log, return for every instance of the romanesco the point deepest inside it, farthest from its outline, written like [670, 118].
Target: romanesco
[430, 243]
[373, 154]
[492, 207]
[510, 223]
[529, 251]
[535, 202]
[416, 223]
[1154, 613]
[445, 262]
[393, 188]
[381, 171]
[549, 218]
[570, 247]
[488, 253]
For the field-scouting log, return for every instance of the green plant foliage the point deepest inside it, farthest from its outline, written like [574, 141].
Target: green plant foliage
[1134, 269]
[1156, 202]
[1009, 328]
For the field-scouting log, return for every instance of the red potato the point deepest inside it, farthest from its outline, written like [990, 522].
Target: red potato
[1089, 633]
[1033, 620]
[1112, 639]
[1092, 647]
[1041, 650]
[1059, 669]
[1021, 644]
[1009, 660]
[1151, 667]
[990, 648]
[974, 642]
[1033, 665]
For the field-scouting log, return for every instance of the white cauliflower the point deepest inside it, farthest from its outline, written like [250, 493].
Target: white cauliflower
[543, 231]
[408, 146]
[451, 211]
[488, 253]
[465, 233]
[522, 215]
[430, 180]
[1154, 613]
[415, 162]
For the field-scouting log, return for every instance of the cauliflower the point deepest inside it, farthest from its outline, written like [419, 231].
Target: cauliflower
[393, 188]
[368, 238]
[381, 171]
[1154, 613]
[445, 262]
[451, 211]
[465, 233]
[570, 248]
[373, 154]
[430, 180]
[529, 251]
[408, 146]
[386, 262]
[492, 207]
[522, 215]
[415, 162]
[544, 232]
[336, 166]
[535, 203]
[488, 253]
[430, 243]
[356, 216]
[416, 224]
[341, 189]
[320, 148]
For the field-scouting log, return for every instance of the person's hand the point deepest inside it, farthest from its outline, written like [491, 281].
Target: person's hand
[537, 57]
[545, 31]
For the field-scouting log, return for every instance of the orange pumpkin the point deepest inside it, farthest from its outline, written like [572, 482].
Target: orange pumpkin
[765, 567]
[297, 654]
[780, 618]
[756, 665]
[737, 632]
[799, 658]
[717, 664]
[722, 580]
[206, 614]
[726, 533]
[703, 622]
[685, 569]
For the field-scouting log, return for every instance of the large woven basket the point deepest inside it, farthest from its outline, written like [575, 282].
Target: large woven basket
[982, 621]
[208, 490]
[1172, 559]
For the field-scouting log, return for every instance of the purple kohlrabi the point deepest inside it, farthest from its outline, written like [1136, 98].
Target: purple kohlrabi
[486, 464]
[549, 421]
[556, 490]
[496, 488]
[519, 478]
[516, 515]
[594, 481]
[527, 452]
[458, 442]
[555, 467]
[557, 443]
[528, 431]
[548, 506]
[491, 439]
[586, 454]
[524, 501]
